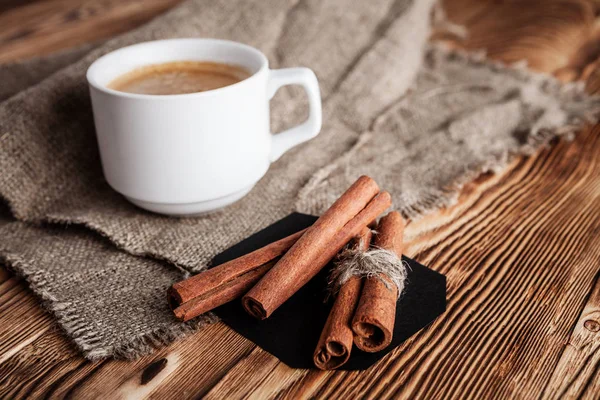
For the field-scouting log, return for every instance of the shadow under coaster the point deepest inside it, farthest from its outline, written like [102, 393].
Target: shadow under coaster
[291, 333]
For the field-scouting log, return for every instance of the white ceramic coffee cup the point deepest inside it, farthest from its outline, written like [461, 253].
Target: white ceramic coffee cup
[188, 154]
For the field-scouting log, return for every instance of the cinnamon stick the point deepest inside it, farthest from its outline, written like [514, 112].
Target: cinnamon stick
[217, 296]
[335, 343]
[354, 210]
[226, 282]
[373, 322]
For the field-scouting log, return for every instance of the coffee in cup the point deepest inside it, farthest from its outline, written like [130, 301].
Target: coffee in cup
[179, 77]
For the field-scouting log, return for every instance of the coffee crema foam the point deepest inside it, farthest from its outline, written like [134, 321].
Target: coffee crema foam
[179, 77]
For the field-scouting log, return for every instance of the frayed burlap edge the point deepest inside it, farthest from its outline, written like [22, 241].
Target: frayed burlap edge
[78, 330]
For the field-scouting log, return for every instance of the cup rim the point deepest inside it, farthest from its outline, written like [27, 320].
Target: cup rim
[93, 82]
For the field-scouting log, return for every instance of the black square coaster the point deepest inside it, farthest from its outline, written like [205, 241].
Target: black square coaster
[291, 333]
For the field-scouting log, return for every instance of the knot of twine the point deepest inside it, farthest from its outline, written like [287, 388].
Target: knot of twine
[369, 264]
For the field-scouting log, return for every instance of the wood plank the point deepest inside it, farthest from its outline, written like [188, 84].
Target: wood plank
[193, 364]
[51, 367]
[593, 386]
[4, 275]
[547, 34]
[578, 368]
[238, 383]
[42, 27]
[44, 360]
[21, 317]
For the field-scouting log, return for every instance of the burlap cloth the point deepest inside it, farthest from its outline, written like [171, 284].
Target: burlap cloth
[102, 266]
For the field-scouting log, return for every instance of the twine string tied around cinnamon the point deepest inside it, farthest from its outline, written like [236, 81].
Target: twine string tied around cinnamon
[375, 263]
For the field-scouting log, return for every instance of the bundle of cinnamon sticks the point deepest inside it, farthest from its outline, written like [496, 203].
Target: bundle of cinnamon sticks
[364, 311]
[267, 277]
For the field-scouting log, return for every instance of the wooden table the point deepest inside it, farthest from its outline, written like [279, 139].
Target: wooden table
[521, 251]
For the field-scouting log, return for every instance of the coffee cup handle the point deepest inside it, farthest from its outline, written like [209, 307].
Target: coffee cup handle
[310, 128]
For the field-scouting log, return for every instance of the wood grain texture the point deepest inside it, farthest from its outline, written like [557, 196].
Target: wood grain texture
[41, 27]
[521, 251]
[547, 34]
[50, 367]
[578, 370]
[21, 318]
